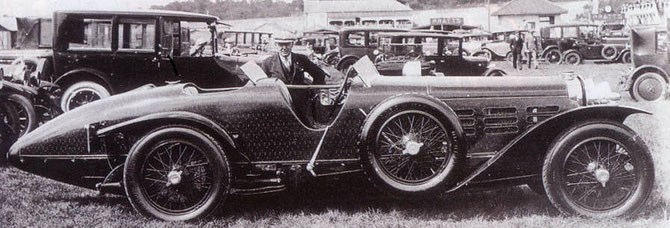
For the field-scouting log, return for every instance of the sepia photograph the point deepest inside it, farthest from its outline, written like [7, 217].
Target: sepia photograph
[335, 113]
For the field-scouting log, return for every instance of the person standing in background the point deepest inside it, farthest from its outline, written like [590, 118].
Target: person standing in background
[516, 45]
[531, 46]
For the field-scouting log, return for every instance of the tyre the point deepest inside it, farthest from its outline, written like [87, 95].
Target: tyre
[411, 151]
[176, 174]
[485, 54]
[649, 86]
[82, 93]
[572, 58]
[9, 128]
[553, 56]
[609, 52]
[626, 58]
[25, 112]
[346, 63]
[598, 169]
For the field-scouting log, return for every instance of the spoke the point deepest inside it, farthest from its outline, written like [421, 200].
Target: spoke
[578, 173]
[582, 183]
[155, 180]
[197, 164]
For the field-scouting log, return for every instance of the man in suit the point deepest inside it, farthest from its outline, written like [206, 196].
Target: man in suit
[290, 68]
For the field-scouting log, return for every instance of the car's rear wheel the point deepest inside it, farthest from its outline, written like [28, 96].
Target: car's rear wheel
[411, 150]
[572, 58]
[649, 86]
[82, 93]
[553, 56]
[25, 112]
[598, 169]
[176, 173]
[509, 57]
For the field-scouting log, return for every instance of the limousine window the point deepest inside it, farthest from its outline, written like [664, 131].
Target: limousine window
[89, 34]
[137, 34]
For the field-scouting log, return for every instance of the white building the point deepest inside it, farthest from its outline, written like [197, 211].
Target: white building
[528, 14]
[336, 14]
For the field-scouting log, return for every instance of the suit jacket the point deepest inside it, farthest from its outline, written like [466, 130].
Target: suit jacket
[516, 44]
[296, 74]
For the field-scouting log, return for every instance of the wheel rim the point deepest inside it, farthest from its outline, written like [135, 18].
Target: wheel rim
[412, 147]
[610, 52]
[23, 118]
[553, 57]
[599, 174]
[176, 177]
[650, 88]
[82, 97]
[572, 59]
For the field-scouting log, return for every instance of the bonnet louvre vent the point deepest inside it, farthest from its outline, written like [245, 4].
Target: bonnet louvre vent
[501, 120]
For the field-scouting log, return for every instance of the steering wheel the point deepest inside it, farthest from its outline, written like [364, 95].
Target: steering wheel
[200, 50]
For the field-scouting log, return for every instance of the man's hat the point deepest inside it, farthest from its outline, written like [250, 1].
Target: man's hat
[284, 37]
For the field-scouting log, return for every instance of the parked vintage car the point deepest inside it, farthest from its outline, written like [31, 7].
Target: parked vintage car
[648, 79]
[17, 115]
[573, 43]
[499, 46]
[96, 54]
[357, 42]
[438, 54]
[177, 151]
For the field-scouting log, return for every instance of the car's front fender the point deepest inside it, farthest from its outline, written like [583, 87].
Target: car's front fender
[532, 145]
[627, 81]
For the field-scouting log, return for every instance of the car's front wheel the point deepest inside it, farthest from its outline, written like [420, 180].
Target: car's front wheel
[411, 150]
[649, 86]
[625, 57]
[598, 169]
[176, 173]
[82, 93]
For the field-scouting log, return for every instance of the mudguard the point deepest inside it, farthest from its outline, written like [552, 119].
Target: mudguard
[492, 69]
[630, 78]
[412, 98]
[549, 129]
[90, 71]
[172, 117]
[544, 51]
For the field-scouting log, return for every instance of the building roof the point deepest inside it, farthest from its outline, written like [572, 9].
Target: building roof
[529, 7]
[167, 13]
[330, 6]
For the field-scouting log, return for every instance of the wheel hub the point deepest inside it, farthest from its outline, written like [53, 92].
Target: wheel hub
[602, 176]
[412, 147]
[650, 89]
[174, 177]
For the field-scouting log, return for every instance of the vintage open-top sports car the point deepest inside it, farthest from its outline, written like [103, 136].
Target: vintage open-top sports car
[177, 151]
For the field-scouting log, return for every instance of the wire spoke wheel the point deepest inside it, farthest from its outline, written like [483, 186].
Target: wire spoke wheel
[82, 97]
[413, 147]
[553, 56]
[599, 174]
[176, 176]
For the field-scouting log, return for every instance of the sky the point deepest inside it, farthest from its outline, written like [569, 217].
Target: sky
[45, 8]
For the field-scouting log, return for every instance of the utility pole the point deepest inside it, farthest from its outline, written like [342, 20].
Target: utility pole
[488, 10]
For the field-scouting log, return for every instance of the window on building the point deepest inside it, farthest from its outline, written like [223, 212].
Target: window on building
[137, 34]
[369, 22]
[387, 23]
[349, 23]
[85, 33]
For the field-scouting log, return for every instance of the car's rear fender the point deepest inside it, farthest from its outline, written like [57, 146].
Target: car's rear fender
[525, 153]
[546, 49]
[146, 123]
[84, 74]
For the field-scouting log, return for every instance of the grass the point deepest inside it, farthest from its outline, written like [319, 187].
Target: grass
[30, 201]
